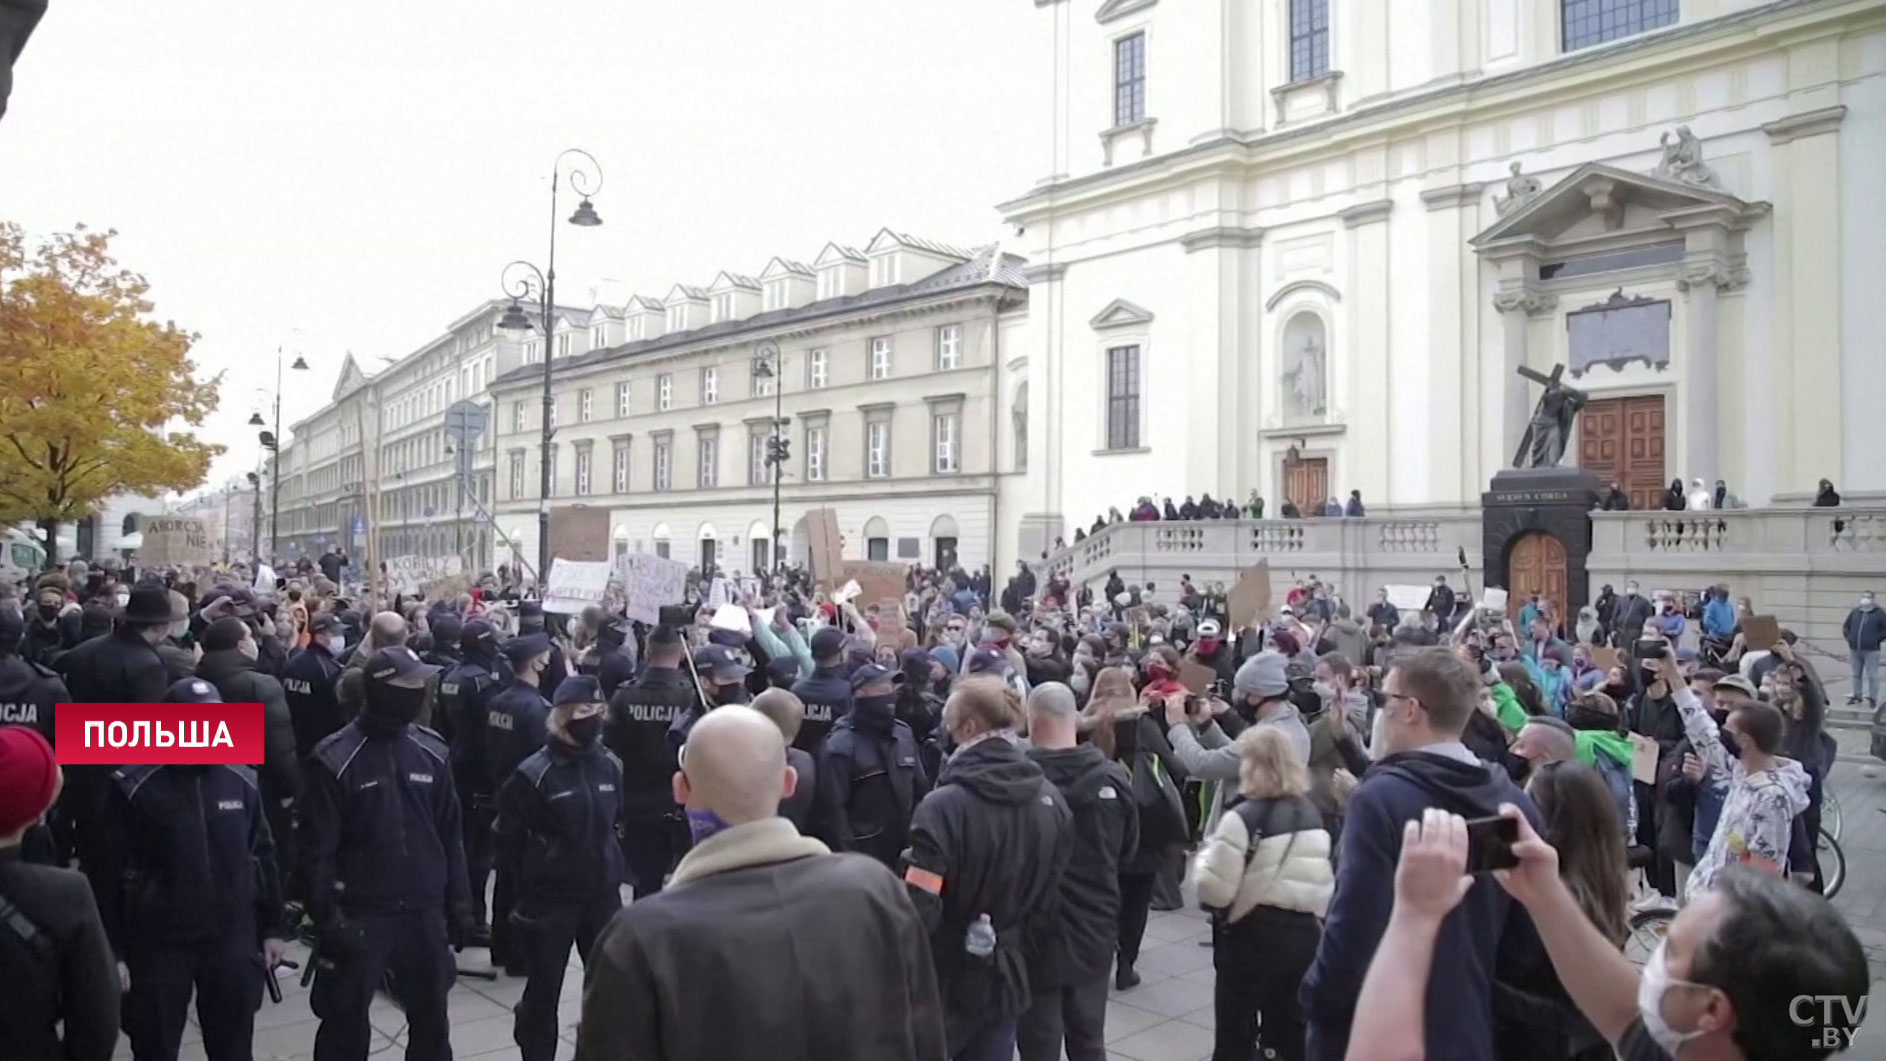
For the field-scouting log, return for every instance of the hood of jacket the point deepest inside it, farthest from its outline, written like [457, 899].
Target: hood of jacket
[995, 770]
[1067, 767]
[1471, 790]
[1793, 780]
[223, 663]
[1595, 742]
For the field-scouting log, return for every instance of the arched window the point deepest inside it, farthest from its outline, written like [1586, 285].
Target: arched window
[877, 540]
[660, 537]
[943, 538]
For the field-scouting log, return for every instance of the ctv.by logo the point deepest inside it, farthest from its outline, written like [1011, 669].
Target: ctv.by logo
[1837, 1017]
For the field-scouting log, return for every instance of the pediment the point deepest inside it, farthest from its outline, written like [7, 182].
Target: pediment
[1120, 314]
[1113, 9]
[732, 282]
[833, 254]
[642, 304]
[779, 267]
[1596, 200]
[604, 313]
[684, 293]
[351, 377]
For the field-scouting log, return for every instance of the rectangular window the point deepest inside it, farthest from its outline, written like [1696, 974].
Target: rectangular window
[664, 464]
[1309, 39]
[944, 428]
[756, 459]
[582, 471]
[763, 381]
[1123, 397]
[517, 474]
[881, 357]
[1129, 80]
[877, 449]
[815, 369]
[619, 467]
[815, 454]
[1584, 23]
[583, 406]
[949, 347]
[517, 417]
[664, 392]
[553, 410]
[597, 336]
[553, 470]
[622, 401]
[563, 345]
[708, 475]
[710, 386]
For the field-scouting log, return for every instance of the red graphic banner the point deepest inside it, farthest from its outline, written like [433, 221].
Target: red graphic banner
[169, 734]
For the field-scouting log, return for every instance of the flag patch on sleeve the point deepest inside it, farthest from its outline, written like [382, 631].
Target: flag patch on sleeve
[923, 880]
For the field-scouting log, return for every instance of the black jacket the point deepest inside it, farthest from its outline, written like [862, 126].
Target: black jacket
[827, 698]
[869, 782]
[308, 682]
[558, 829]
[119, 668]
[1139, 738]
[240, 680]
[1628, 617]
[382, 824]
[993, 838]
[615, 670]
[516, 722]
[1440, 602]
[640, 714]
[1106, 834]
[44, 642]
[28, 694]
[65, 974]
[799, 808]
[189, 858]
[465, 694]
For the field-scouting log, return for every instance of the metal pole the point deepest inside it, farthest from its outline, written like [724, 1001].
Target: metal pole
[275, 486]
[228, 492]
[255, 532]
[549, 302]
[779, 397]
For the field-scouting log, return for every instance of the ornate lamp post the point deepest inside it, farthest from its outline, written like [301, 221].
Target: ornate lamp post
[271, 441]
[767, 364]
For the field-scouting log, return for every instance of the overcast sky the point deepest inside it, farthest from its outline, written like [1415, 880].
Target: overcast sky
[354, 175]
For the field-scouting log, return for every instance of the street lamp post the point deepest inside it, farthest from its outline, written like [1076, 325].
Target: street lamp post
[767, 365]
[586, 182]
[272, 442]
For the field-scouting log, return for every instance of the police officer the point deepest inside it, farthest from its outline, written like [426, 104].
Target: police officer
[190, 899]
[530, 620]
[640, 715]
[869, 777]
[446, 629]
[558, 837]
[827, 693]
[386, 866]
[28, 691]
[615, 656]
[515, 721]
[464, 692]
[309, 680]
[722, 672]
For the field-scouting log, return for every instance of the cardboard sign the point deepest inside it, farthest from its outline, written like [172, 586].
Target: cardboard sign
[579, 534]
[1493, 599]
[827, 546]
[876, 581]
[174, 540]
[1249, 600]
[1644, 753]
[1604, 657]
[1760, 632]
[650, 583]
[1197, 677]
[576, 584]
[1408, 598]
[413, 575]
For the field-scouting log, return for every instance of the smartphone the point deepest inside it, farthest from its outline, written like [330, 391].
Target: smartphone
[1646, 648]
[1490, 844]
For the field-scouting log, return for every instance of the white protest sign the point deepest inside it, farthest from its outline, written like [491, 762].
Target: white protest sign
[1493, 599]
[412, 574]
[1408, 598]
[174, 540]
[850, 590]
[650, 583]
[751, 587]
[264, 578]
[731, 617]
[576, 584]
[718, 592]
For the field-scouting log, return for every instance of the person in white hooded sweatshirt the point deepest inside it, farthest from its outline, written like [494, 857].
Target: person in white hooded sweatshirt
[1766, 790]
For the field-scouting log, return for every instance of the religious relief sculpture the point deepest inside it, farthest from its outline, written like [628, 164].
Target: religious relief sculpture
[1520, 189]
[1683, 160]
[1551, 428]
[1305, 376]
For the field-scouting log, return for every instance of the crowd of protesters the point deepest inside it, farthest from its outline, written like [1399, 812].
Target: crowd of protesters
[924, 826]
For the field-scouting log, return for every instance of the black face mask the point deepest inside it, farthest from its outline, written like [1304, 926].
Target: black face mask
[729, 694]
[877, 706]
[584, 731]
[49, 612]
[391, 706]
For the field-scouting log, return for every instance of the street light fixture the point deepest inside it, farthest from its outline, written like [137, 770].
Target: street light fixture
[767, 365]
[585, 176]
[271, 442]
[255, 419]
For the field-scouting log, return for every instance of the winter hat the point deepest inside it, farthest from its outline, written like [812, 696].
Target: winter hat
[29, 777]
[947, 656]
[1262, 675]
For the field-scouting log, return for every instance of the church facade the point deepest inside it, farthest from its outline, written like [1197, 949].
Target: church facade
[1309, 247]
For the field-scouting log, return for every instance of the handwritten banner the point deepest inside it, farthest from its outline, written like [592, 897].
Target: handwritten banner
[175, 540]
[576, 584]
[650, 583]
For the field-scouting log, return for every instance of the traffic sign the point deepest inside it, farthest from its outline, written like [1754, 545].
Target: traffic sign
[465, 421]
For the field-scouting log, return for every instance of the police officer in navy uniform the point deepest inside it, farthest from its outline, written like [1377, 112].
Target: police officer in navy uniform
[722, 672]
[309, 679]
[615, 656]
[869, 777]
[530, 620]
[188, 891]
[386, 866]
[515, 721]
[559, 838]
[28, 691]
[464, 692]
[445, 629]
[827, 693]
[640, 714]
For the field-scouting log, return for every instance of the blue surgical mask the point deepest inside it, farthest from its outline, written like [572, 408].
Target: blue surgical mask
[703, 824]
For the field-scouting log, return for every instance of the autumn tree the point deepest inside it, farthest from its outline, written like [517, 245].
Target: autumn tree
[93, 392]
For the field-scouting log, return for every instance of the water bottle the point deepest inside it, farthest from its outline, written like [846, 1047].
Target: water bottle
[980, 939]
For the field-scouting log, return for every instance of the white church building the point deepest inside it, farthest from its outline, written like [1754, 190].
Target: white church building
[1304, 247]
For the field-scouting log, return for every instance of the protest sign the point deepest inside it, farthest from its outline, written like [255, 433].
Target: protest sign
[877, 582]
[828, 548]
[264, 578]
[1644, 752]
[576, 584]
[650, 583]
[413, 575]
[579, 534]
[1761, 632]
[174, 540]
[731, 617]
[1197, 677]
[1408, 598]
[845, 592]
[1604, 657]
[1249, 600]
[1493, 599]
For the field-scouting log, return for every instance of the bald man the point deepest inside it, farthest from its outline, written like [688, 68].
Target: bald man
[1545, 740]
[775, 947]
[386, 630]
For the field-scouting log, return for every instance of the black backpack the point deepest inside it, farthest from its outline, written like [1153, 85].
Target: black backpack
[1161, 813]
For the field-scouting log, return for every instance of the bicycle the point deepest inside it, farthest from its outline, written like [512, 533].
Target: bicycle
[1830, 813]
[1649, 926]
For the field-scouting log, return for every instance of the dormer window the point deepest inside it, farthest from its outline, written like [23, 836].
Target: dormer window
[635, 327]
[723, 307]
[598, 336]
[677, 318]
[828, 281]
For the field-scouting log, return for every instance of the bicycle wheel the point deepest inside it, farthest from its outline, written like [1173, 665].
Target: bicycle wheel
[1648, 927]
[1830, 813]
[1833, 865]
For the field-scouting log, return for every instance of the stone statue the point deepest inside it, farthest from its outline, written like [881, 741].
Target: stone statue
[1020, 413]
[1520, 189]
[1683, 159]
[1306, 379]
[1551, 428]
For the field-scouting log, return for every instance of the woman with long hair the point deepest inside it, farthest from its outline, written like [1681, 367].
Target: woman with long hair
[1518, 677]
[1125, 732]
[1266, 869]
